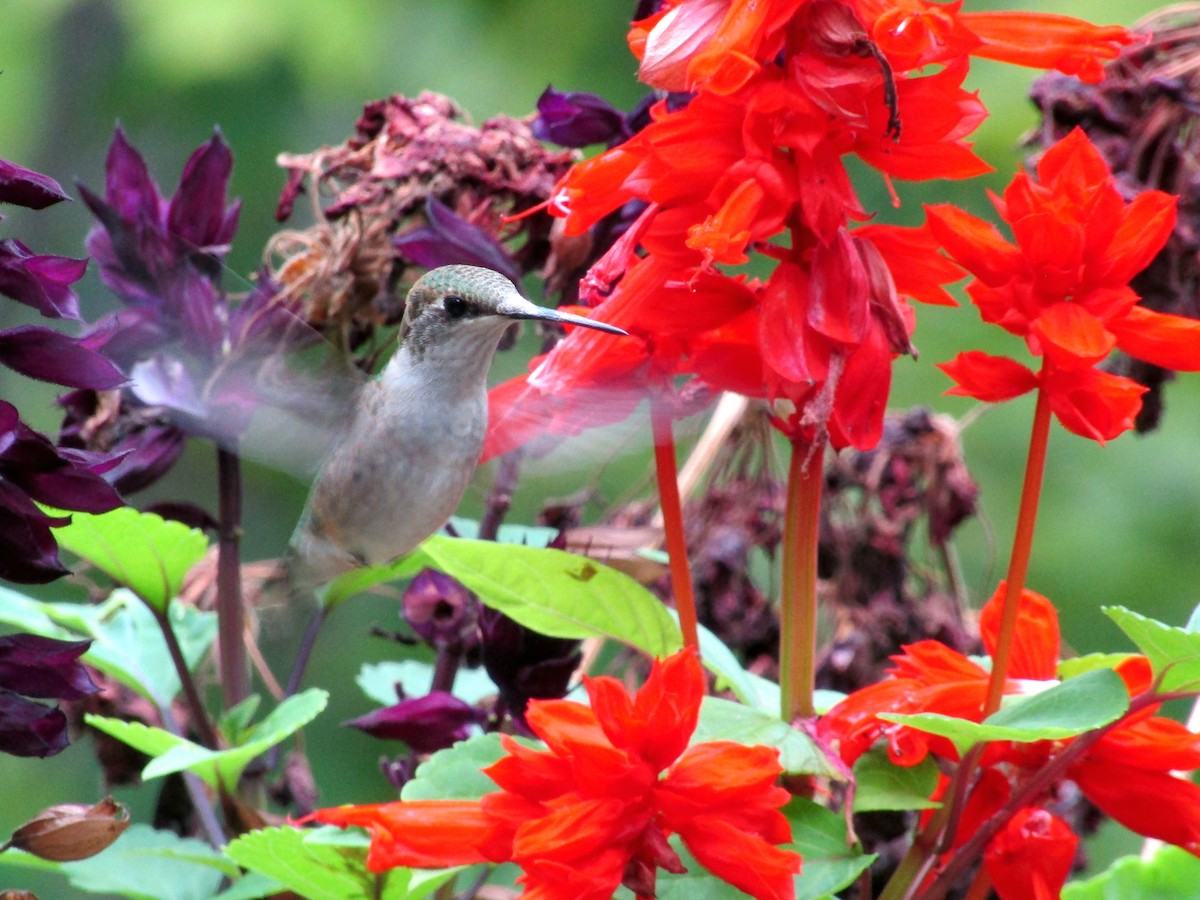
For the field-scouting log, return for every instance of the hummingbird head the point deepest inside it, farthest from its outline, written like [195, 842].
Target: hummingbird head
[463, 306]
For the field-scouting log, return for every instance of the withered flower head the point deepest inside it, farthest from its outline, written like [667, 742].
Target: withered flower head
[1141, 118]
[415, 185]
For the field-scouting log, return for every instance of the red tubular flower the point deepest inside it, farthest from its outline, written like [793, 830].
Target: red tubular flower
[1063, 286]
[595, 809]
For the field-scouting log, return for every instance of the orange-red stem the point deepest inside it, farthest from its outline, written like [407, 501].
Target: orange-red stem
[1018, 564]
[672, 509]
[798, 597]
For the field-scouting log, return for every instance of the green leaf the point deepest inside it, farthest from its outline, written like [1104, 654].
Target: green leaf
[378, 681]
[357, 581]
[251, 886]
[829, 863]
[1172, 874]
[143, 551]
[557, 593]
[1073, 668]
[881, 784]
[724, 720]
[753, 690]
[1174, 653]
[526, 535]
[1081, 704]
[317, 869]
[24, 613]
[182, 868]
[454, 773]
[174, 754]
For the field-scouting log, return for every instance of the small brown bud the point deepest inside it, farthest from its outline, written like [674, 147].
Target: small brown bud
[72, 831]
[18, 895]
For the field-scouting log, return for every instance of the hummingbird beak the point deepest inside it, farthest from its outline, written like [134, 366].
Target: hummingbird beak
[520, 308]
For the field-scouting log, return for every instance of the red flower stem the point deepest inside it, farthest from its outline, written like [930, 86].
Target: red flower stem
[798, 595]
[668, 498]
[1018, 565]
[231, 613]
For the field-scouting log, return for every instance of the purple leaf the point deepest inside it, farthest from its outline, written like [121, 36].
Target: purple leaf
[47, 355]
[42, 282]
[23, 187]
[447, 239]
[577, 119]
[426, 724]
[197, 213]
[30, 729]
[128, 186]
[44, 667]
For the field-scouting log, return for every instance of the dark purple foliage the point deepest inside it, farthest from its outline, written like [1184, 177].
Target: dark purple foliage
[578, 119]
[426, 724]
[447, 239]
[22, 187]
[49, 355]
[35, 666]
[41, 282]
[32, 468]
[524, 664]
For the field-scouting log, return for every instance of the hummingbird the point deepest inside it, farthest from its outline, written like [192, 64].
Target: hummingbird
[416, 431]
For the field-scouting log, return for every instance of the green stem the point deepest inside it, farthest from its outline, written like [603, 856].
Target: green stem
[231, 612]
[672, 509]
[798, 598]
[1018, 565]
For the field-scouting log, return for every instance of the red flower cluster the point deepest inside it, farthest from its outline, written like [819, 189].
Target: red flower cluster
[594, 810]
[1064, 287]
[754, 160]
[1127, 773]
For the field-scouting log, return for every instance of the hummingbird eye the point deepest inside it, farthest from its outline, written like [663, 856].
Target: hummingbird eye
[456, 307]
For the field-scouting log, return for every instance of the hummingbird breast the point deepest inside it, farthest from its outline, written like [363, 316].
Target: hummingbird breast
[397, 477]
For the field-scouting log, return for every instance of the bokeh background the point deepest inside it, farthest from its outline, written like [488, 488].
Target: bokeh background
[1119, 524]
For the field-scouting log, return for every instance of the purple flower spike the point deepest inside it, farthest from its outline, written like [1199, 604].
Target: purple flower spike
[22, 187]
[42, 282]
[578, 119]
[441, 611]
[448, 239]
[426, 724]
[43, 667]
[525, 665]
[48, 355]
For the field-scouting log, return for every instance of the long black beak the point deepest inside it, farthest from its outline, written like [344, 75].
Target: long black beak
[520, 308]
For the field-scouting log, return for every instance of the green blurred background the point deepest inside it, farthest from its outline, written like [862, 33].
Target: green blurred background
[1119, 524]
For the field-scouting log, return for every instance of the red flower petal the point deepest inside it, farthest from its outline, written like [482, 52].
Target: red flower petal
[1172, 342]
[1153, 804]
[1145, 225]
[1031, 857]
[992, 379]
[1093, 404]
[1071, 337]
[748, 863]
[1047, 41]
[974, 244]
[1036, 643]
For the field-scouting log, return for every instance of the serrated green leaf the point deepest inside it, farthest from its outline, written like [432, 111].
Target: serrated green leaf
[880, 784]
[829, 863]
[174, 754]
[314, 869]
[454, 773]
[1173, 874]
[143, 551]
[1174, 653]
[1073, 668]
[378, 681]
[723, 720]
[557, 593]
[183, 868]
[251, 886]
[1080, 704]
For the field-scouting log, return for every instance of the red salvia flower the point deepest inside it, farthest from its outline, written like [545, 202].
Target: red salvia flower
[1127, 772]
[1063, 286]
[595, 808]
